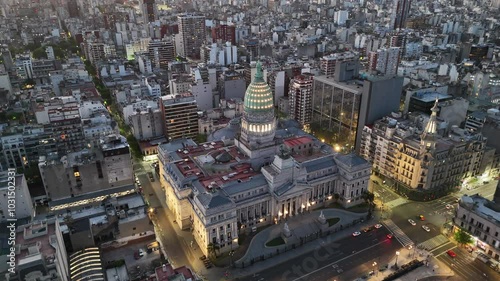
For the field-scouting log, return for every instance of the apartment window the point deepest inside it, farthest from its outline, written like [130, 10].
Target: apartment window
[229, 226]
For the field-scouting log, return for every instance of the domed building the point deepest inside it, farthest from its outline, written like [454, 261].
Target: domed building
[258, 123]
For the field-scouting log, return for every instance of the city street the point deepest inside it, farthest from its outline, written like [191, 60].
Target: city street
[176, 242]
[466, 266]
[345, 259]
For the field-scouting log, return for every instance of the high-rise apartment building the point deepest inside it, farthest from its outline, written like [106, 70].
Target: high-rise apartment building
[224, 33]
[149, 10]
[192, 35]
[328, 63]
[161, 52]
[180, 117]
[73, 9]
[24, 205]
[384, 60]
[400, 13]
[300, 98]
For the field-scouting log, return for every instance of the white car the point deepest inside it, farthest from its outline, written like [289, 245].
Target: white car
[426, 228]
[448, 206]
[357, 233]
[412, 222]
[378, 225]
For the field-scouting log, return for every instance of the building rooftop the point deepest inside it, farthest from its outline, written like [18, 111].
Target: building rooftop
[34, 242]
[481, 206]
[167, 273]
[428, 97]
[212, 163]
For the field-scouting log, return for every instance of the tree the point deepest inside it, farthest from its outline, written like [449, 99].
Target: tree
[39, 53]
[212, 249]
[336, 196]
[463, 237]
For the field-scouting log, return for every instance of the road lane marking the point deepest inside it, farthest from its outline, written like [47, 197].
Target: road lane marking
[337, 261]
[444, 251]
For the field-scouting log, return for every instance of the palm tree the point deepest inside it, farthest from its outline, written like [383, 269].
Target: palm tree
[369, 197]
[212, 249]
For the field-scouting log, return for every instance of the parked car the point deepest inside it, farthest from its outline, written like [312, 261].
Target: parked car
[412, 222]
[426, 228]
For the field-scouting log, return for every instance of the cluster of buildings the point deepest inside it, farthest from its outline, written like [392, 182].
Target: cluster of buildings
[268, 173]
[405, 91]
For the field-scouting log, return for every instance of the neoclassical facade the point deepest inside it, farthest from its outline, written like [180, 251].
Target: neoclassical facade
[426, 158]
[262, 176]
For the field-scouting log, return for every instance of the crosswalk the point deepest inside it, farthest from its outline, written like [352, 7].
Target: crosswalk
[434, 242]
[398, 233]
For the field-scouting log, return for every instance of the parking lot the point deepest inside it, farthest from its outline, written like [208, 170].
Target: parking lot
[136, 264]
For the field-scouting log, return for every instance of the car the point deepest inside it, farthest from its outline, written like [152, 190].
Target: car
[451, 253]
[426, 228]
[412, 222]
[368, 229]
[448, 206]
[389, 236]
[378, 225]
[356, 233]
[421, 217]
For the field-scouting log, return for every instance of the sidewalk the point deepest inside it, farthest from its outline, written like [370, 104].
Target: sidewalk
[432, 266]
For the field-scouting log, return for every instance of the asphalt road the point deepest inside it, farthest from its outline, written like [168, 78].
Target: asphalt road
[346, 259]
[467, 267]
[381, 193]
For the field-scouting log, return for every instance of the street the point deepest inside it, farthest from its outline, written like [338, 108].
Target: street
[176, 242]
[466, 266]
[345, 259]
[437, 214]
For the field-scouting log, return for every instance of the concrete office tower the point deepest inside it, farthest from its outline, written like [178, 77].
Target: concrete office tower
[400, 13]
[192, 35]
[180, 117]
[345, 105]
[161, 52]
[300, 99]
[149, 10]
[84, 177]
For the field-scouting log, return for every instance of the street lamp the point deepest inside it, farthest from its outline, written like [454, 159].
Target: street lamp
[396, 264]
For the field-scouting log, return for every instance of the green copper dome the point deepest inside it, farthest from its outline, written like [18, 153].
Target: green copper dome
[258, 97]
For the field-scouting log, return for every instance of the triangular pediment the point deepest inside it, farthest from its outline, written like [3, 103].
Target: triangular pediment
[291, 188]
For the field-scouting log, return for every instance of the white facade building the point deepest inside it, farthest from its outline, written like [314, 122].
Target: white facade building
[23, 203]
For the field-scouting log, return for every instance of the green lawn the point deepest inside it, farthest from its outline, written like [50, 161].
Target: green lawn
[332, 221]
[275, 242]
